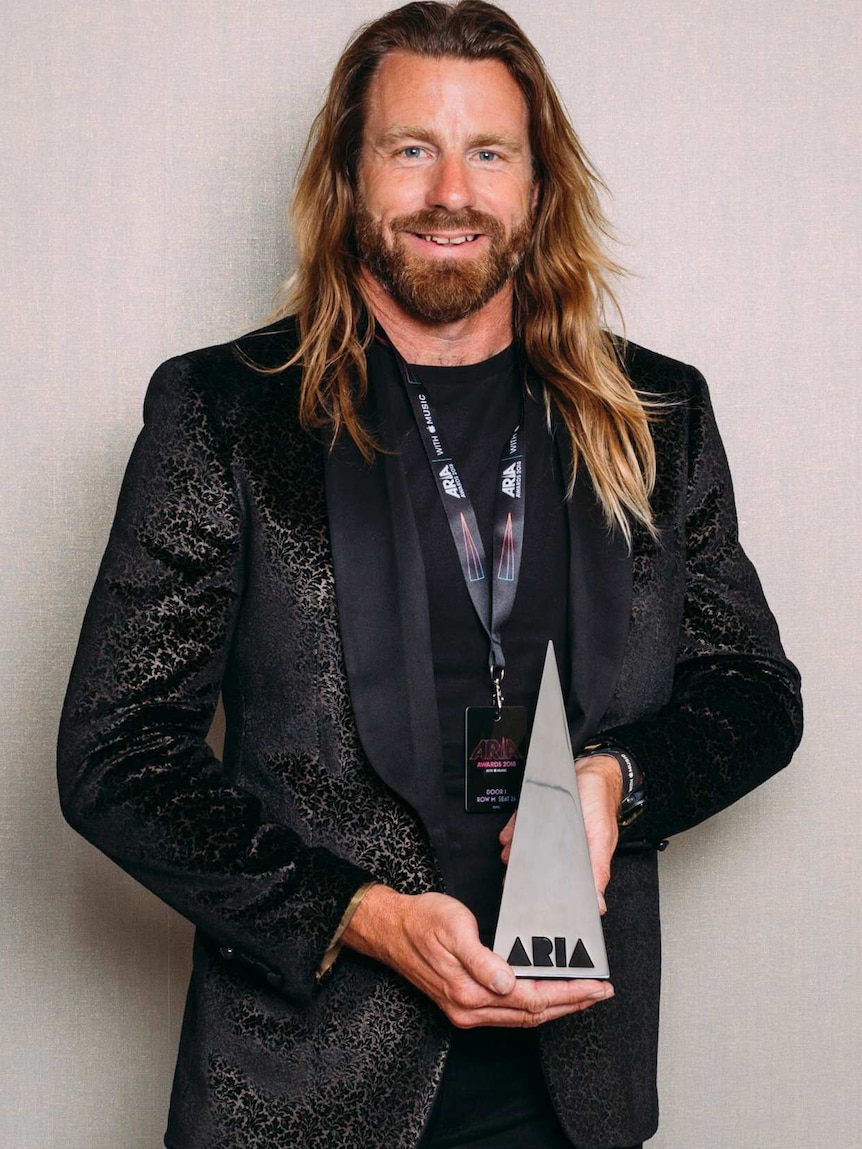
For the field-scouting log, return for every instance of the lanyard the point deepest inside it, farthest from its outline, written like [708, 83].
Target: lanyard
[493, 598]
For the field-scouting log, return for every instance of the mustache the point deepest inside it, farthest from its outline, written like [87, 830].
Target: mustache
[438, 219]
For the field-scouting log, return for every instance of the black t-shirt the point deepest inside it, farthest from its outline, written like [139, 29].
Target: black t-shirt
[476, 409]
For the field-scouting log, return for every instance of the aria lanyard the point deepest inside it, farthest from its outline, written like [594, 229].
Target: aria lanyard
[493, 597]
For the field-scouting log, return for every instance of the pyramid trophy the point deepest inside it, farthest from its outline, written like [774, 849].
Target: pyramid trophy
[549, 923]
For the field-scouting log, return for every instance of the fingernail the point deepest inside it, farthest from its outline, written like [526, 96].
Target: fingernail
[603, 905]
[604, 993]
[501, 982]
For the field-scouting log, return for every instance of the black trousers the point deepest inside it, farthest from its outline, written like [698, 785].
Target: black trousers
[494, 1096]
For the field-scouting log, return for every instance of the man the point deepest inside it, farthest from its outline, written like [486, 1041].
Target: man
[281, 537]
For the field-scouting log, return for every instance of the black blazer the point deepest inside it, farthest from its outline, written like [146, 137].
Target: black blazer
[245, 558]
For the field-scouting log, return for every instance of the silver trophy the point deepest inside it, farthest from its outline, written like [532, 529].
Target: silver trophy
[549, 924]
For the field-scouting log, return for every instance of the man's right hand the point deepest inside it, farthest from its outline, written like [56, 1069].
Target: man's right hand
[432, 941]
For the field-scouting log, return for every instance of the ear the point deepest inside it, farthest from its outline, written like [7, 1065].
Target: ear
[534, 195]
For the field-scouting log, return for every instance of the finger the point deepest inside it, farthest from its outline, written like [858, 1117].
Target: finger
[506, 837]
[508, 832]
[501, 1013]
[490, 971]
[601, 882]
[481, 964]
[537, 994]
[600, 864]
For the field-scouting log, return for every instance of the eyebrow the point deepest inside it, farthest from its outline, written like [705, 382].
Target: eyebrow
[498, 140]
[486, 140]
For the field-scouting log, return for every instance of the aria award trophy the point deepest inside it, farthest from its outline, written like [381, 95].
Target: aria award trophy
[549, 923]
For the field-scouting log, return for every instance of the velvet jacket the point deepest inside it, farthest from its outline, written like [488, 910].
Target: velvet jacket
[247, 558]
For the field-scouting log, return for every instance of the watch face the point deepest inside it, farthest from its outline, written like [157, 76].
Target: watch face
[631, 807]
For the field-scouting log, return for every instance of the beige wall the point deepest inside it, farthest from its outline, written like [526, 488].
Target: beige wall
[148, 152]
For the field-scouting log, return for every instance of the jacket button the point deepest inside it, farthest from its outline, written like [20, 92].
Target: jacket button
[227, 952]
[275, 979]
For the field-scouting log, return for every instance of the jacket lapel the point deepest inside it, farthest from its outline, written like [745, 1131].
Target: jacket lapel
[383, 619]
[600, 591]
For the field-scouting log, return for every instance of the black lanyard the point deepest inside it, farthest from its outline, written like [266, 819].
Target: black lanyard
[493, 597]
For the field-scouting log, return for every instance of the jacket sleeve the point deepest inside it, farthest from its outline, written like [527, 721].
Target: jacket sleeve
[136, 776]
[734, 717]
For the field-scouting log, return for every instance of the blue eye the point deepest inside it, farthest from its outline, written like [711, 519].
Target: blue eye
[486, 155]
[413, 152]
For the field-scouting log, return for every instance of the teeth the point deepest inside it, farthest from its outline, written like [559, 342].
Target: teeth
[446, 241]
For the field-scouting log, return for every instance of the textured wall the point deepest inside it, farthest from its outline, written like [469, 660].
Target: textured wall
[147, 153]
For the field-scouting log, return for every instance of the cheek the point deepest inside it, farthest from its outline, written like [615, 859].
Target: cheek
[392, 193]
[510, 197]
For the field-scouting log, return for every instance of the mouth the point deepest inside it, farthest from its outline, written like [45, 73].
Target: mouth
[448, 240]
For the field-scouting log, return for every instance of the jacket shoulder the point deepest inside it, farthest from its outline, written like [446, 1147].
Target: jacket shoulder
[247, 370]
[264, 350]
[653, 374]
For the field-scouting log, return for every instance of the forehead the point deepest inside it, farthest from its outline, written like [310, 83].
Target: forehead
[444, 93]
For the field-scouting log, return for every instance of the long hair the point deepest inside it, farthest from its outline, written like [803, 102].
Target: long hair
[561, 288]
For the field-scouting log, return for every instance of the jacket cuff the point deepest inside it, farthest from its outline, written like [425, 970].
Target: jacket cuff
[335, 944]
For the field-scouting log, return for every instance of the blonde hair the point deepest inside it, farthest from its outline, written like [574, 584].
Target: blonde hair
[560, 289]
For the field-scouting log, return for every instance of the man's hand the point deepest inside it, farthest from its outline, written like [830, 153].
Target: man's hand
[600, 787]
[432, 940]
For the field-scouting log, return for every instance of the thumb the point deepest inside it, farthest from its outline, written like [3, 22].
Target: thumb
[484, 966]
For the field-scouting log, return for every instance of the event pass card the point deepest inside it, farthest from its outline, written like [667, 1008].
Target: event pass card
[495, 752]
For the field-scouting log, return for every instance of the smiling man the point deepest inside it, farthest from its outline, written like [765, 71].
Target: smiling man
[446, 192]
[320, 522]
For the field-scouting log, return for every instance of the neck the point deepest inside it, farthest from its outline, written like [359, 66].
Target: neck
[469, 340]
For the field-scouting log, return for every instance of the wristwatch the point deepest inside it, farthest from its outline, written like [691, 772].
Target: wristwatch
[634, 784]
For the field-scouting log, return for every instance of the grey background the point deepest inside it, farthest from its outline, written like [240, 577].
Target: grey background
[147, 154]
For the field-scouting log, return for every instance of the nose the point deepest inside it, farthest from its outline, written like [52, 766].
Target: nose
[450, 186]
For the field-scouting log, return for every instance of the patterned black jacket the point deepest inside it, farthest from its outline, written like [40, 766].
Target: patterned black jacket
[239, 561]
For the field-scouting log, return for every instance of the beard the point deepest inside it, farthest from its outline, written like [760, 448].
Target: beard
[437, 290]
